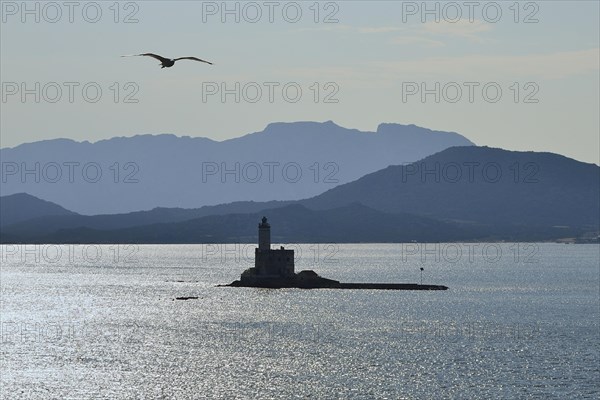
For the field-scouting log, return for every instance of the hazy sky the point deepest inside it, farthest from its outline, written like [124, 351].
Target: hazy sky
[357, 63]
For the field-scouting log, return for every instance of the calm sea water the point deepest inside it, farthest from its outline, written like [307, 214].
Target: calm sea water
[83, 322]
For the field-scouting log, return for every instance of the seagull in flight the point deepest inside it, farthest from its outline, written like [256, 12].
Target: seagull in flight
[168, 62]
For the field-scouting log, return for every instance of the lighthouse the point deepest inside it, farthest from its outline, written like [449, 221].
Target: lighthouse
[268, 263]
[264, 235]
[275, 269]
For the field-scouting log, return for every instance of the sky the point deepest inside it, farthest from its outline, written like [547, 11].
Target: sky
[516, 75]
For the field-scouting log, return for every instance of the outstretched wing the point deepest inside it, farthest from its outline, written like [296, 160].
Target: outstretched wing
[193, 58]
[159, 58]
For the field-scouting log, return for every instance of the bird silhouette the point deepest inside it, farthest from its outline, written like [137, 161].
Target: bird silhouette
[168, 62]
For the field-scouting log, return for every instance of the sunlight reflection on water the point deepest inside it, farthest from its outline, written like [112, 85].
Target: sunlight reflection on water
[89, 326]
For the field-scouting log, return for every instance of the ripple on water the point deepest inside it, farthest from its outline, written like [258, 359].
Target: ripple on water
[504, 330]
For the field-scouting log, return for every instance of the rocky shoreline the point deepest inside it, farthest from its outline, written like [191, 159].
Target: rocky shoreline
[309, 279]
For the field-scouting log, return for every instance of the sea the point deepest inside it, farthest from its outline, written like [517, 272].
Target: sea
[519, 321]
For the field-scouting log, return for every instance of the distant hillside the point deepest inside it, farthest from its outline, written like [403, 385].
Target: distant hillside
[481, 185]
[286, 161]
[461, 193]
[295, 223]
[47, 224]
[21, 207]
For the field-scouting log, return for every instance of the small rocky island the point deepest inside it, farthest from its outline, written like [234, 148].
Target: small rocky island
[274, 268]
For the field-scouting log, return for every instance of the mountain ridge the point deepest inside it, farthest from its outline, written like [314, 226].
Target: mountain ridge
[561, 201]
[286, 161]
[269, 129]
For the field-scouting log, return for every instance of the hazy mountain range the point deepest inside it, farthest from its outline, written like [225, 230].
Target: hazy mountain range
[286, 161]
[458, 194]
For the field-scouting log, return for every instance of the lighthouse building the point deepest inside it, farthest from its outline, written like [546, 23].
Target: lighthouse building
[270, 263]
